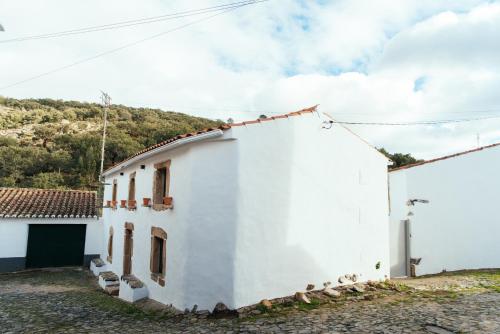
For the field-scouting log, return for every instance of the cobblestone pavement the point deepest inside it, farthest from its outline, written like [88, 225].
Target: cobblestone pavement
[69, 302]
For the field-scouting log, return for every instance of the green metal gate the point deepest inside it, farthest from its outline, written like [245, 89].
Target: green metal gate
[55, 245]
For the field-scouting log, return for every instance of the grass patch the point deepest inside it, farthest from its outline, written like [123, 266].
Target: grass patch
[63, 277]
[315, 303]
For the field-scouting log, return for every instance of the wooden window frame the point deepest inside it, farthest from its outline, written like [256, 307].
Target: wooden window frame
[159, 277]
[110, 245]
[114, 194]
[160, 193]
[132, 203]
[128, 227]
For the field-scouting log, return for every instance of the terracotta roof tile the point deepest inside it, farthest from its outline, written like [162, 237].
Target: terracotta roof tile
[444, 158]
[46, 203]
[222, 127]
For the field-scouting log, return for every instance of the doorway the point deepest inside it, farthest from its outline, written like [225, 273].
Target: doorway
[55, 245]
[127, 249]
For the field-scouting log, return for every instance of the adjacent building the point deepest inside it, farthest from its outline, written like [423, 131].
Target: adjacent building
[444, 213]
[48, 228]
[246, 211]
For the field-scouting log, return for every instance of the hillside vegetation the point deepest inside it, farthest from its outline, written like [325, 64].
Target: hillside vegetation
[48, 143]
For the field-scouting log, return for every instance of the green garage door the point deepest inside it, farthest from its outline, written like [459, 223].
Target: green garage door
[55, 245]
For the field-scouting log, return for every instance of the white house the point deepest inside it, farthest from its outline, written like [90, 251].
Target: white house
[444, 213]
[247, 211]
[48, 228]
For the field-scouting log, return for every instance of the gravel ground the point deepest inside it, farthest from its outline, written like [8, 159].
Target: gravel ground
[68, 301]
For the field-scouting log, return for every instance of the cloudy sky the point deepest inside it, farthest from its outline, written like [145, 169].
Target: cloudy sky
[362, 61]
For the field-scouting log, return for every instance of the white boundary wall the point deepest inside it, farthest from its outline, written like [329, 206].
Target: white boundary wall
[14, 234]
[460, 226]
[259, 213]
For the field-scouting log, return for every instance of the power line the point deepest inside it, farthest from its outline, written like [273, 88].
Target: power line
[433, 122]
[402, 113]
[84, 60]
[129, 23]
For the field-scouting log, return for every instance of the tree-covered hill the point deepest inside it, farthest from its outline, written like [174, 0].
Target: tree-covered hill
[48, 143]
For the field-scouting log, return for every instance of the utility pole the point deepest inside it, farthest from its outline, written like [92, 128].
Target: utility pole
[478, 139]
[106, 101]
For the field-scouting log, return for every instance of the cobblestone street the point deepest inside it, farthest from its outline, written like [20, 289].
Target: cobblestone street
[68, 301]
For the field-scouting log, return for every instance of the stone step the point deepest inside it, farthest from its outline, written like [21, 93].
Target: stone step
[132, 281]
[109, 276]
[98, 262]
[112, 290]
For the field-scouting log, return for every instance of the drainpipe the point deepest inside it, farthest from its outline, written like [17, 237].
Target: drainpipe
[410, 262]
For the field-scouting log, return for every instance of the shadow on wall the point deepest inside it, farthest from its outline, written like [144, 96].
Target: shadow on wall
[238, 235]
[211, 232]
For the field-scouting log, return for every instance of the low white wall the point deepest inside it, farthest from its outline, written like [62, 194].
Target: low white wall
[259, 213]
[14, 234]
[13, 239]
[460, 227]
[94, 239]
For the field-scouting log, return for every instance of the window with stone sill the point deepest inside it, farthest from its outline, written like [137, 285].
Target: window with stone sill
[131, 187]
[114, 194]
[161, 186]
[131, 191]
[158, 255]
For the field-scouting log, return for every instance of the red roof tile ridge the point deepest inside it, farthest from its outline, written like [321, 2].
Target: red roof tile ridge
[445, 157]
[46, 190]
[46, 203]
[221, 127]
[272, 118]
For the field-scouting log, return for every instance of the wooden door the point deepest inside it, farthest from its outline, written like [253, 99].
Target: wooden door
[127, 252]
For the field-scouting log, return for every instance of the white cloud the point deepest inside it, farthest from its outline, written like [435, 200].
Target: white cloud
[359, 60]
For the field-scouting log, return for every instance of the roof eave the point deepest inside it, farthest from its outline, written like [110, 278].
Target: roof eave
[164, 148]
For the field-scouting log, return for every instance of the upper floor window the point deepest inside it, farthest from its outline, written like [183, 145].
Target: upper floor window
[115, 190]
[114, 193]
[162, 184]
[131, 187]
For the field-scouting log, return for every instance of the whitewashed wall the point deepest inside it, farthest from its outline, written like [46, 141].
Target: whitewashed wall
[260, 213]
[13, 239]
[398, 213]
[14, 234]
[460, 227]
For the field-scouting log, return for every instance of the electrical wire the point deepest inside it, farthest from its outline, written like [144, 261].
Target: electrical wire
[433, 122]
[105, 53]
[129, 23]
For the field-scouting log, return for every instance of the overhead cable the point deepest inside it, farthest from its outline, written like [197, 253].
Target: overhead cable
[129, 23]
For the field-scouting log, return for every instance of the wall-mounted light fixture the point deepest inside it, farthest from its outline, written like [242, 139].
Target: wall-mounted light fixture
[327, 125]
[411, 202]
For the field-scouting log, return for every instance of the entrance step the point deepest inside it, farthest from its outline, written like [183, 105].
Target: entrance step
[112, 290]
[108, 278]
[97, 266]
[132, 289]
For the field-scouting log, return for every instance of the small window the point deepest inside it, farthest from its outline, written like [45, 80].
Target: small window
[131, 187]
[158, 255]
[115, 190]
[161, 183]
